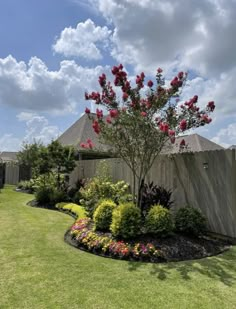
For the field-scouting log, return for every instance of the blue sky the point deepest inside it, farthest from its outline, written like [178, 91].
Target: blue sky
[52, 51]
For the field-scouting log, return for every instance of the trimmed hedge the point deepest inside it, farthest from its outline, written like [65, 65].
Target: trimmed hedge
[75, 209]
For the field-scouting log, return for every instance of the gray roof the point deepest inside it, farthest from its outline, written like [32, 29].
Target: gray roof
[80, 132]
[8, 156]
[232, 147]
[194, 143]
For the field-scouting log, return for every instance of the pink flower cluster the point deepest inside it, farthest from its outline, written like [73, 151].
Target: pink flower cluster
[172, 120]
[82, 231]
[88, 145]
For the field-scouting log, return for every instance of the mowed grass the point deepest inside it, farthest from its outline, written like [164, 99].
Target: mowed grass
[38, 270]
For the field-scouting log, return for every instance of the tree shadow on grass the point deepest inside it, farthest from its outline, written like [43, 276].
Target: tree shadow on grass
[221, 267]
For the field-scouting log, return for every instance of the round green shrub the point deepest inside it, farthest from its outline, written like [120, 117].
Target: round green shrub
[103, 215]
[189, 220]
[43, 195]
[126, 221]
[159, 221]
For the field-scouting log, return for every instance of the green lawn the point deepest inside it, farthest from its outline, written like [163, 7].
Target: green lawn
[38, 270]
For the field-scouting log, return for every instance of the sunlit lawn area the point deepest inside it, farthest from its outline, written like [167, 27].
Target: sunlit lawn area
[38, 270]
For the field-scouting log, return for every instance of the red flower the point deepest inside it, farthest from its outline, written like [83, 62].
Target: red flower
[164, 127]
[108, 119]
[83, 145]
[96, 127]
[114, 113]
[144, 114]
[194, 99]
[180, 75]
[211, 105]
[171, 132]
[87, 110]
[99, 113]
[150, 83]
[90, 143]
[159, 70]
[115, 70]
[125, 96]
[183, 124]
[182, 143]
[102, 80]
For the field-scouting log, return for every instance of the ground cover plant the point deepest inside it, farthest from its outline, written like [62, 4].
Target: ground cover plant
[39, 270]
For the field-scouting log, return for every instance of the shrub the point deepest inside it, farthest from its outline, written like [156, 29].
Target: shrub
[27, 185]
[73, 208]
[73, 192]
[103, 215]
[154, 195]
[158, 221]
[43, 195]
[190, 220]
[58, 196]
[97, 189]
[126, 221]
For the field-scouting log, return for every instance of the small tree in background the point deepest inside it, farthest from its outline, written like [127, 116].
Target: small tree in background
[45, 159]
[29, 156]
[62, 158]
[138, 127]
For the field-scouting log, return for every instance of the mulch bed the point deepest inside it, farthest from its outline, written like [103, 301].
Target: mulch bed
[176, 247]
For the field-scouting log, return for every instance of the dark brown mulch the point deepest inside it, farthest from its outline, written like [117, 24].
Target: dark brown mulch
[175, 247]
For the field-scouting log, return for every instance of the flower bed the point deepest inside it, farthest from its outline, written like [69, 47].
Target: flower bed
[176, 247]
[103, 244]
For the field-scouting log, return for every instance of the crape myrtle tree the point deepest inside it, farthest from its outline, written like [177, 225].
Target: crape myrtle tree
[139, 125]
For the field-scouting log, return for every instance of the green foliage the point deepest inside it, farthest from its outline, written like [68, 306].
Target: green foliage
[103, 215]
[46, 180]
[74, 193]
[75, 209]
[62, 158]
[154, 195]
[27, 185]
[190, 221]
[58, 196]
[97, 189]
[126, 221]
[29, 155]
[43, 195]
[103, 171]
[159, 221]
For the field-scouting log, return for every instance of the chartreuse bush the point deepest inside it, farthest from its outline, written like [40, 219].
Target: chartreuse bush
[97, 189]
[126, 221]
[159, 221]
[103, 215]
[190, 221]
[75, 209]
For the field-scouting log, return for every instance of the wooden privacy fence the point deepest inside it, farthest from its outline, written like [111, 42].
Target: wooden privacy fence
[15, 173]
[204, 180]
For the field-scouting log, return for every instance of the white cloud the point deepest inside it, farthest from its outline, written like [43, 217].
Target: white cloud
[226, 136]
[34, 87]
[38, 128]
[25, 116]
[9, 143]
[150, 33]
[84, 41]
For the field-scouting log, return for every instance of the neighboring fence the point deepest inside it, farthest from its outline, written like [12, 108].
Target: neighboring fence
[15, 173]
[205, 180]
